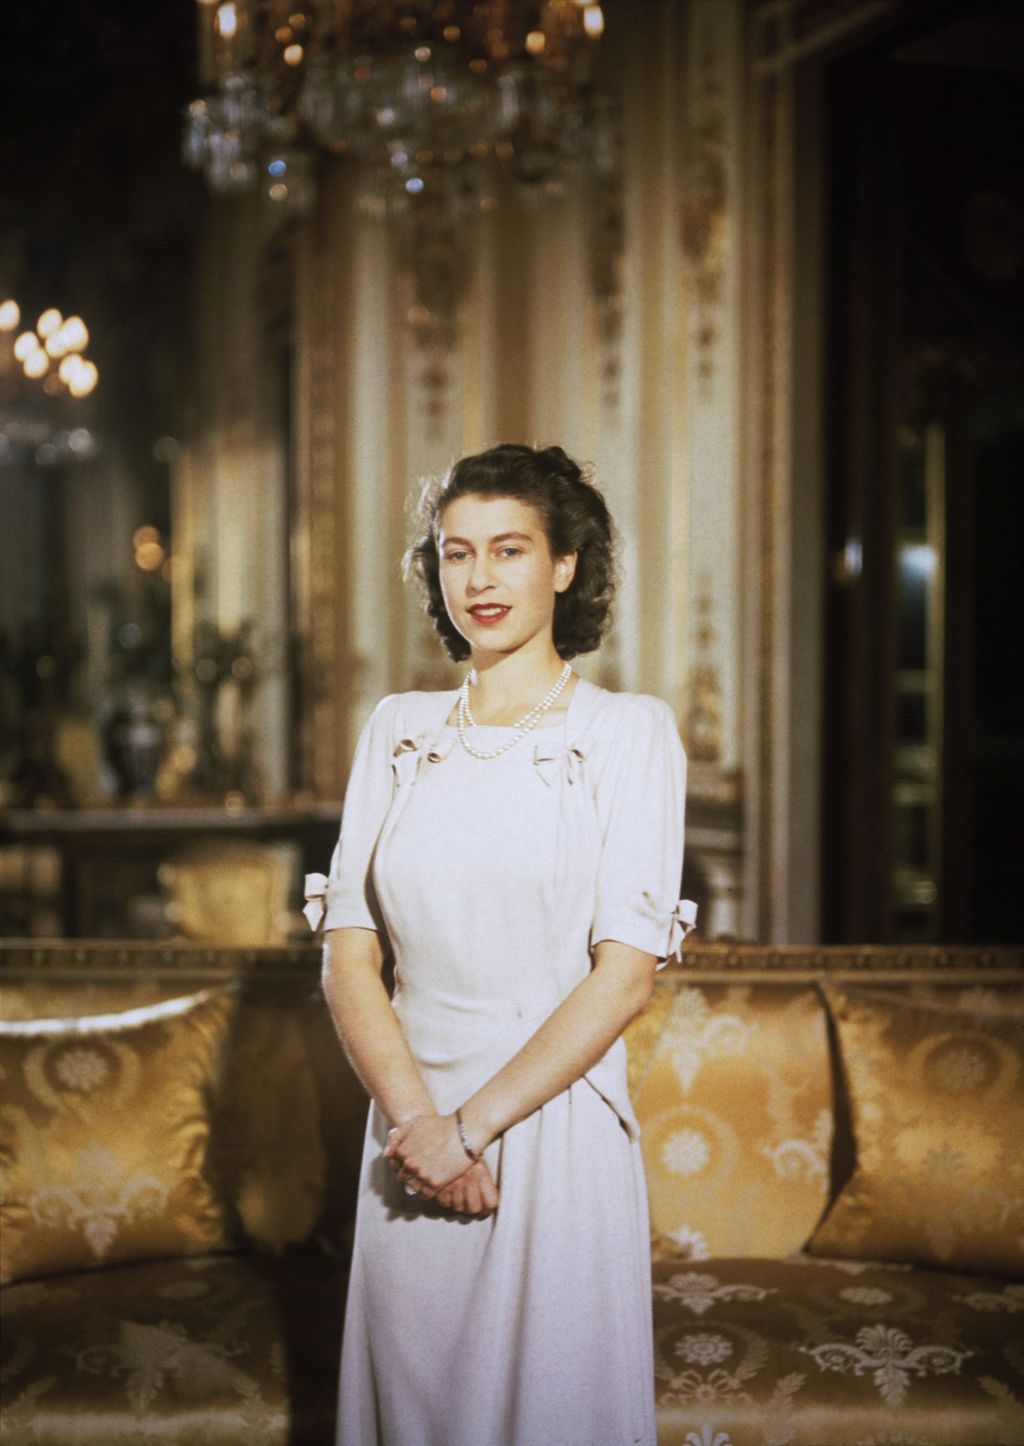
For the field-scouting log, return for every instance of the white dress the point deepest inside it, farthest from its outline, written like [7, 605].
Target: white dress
[492, 881]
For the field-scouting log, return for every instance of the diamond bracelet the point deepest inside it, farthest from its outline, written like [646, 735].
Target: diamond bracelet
[463, 1136]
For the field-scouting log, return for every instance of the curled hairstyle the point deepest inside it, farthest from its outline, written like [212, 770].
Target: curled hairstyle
[575, 518]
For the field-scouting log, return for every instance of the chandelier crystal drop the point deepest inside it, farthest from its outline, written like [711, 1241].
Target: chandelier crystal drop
[430, 97]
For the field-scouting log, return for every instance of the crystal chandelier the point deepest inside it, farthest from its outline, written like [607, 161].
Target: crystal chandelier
[432, 98]
[44, 379]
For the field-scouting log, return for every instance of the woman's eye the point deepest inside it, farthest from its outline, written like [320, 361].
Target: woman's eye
[510, 551]
[456, 555]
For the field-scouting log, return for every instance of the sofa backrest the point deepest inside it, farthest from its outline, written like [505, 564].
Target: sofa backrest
[288, 1117]
[739, 1087]
[734, 1073]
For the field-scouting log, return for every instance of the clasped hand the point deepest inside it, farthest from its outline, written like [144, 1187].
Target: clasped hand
[427, 1155]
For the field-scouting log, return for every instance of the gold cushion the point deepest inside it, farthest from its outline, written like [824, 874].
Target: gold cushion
[104, 1130]
[734, 1103]
[937, 1110]
[287, 1125]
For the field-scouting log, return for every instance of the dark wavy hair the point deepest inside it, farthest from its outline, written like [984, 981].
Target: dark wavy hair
[575, 518]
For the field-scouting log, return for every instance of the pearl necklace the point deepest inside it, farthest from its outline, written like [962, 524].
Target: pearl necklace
[464, 717]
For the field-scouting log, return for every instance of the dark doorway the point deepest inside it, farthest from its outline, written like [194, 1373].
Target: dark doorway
[924, 787]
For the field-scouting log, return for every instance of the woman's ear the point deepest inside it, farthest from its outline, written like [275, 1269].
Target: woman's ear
[565, 570]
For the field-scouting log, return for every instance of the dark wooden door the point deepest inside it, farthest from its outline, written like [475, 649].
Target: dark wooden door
[924, 787]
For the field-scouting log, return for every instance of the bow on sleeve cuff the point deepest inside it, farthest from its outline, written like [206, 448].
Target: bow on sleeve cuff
[684, 920]
[316, 899]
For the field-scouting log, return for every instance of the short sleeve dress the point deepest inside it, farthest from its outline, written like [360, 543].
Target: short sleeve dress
[493, 880]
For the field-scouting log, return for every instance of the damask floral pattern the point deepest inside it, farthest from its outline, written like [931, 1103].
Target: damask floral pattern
[689, 1244]
[1010, 1299]
[703, 1350]
[937, 1101]
[865, 1295]
[697, 1032]
[781, 1353]
[891, 1357]
[148, 1358]
[686, 1152]
[708, 1436]
[698, 1293]
[208, 1351]
[722, 1180]
[106, 1194]
[104, 1134]
[807, 1159]
[82, 1069]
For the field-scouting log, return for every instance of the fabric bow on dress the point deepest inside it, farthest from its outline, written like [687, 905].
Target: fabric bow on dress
[405, 760]
[684, 920]
[554, 761]
[409, 754]
[406, 757]
[315, 890]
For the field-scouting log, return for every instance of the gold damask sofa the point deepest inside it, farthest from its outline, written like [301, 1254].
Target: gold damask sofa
[833, 1149]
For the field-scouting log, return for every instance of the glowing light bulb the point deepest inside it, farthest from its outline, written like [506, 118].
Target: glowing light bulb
[227, 20]
[76, 333]
[593, 21]
[10, 315]
[85, 378]
[536, 41]
[293, 55]
[69, 367]
[57, 344]
[150, 556]
[36, 364]
[49, 322]
[26, 344]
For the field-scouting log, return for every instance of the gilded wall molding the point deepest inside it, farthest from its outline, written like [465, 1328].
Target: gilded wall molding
[435, 262]
[606, 247]
[315, 541]
[705, 201]
[704, 715]
[781, 35]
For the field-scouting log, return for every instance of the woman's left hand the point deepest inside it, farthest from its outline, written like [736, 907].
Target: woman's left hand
[426, 1153]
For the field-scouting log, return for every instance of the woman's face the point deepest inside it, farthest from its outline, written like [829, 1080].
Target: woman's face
[498, 577]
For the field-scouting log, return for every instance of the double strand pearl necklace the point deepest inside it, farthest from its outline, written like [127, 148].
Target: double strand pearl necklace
[464, 717]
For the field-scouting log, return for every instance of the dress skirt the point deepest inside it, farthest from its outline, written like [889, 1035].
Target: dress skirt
[481, 1332]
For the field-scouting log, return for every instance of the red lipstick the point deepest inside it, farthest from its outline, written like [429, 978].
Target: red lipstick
[487, 614]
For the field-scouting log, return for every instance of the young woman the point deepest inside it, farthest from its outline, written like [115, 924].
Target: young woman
[516, 847]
